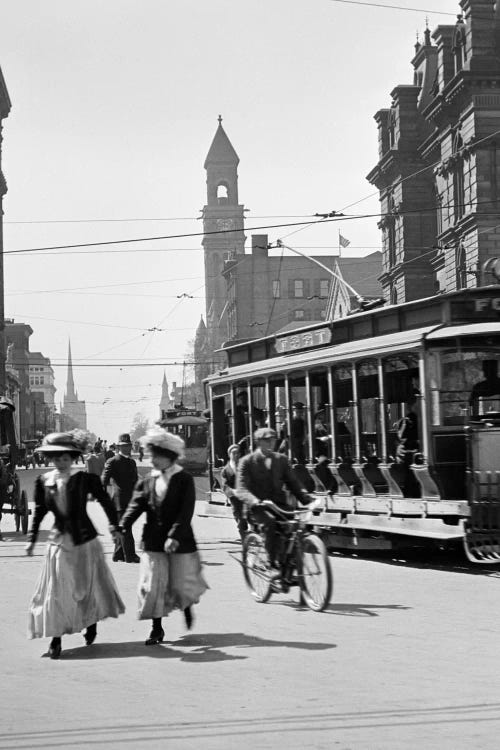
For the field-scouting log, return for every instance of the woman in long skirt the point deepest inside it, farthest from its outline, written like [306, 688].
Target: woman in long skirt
[170, 573]
[76, 588]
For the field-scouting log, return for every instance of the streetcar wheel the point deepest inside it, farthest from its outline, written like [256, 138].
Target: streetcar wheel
[315, 573]
[256, 567]
[17, 519]
[25, 512]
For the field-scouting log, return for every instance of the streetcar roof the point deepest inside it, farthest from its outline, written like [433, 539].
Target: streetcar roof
[375, 346]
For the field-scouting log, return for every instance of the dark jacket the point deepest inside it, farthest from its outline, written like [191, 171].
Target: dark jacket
[265, 483]
[170, 518]
[77, 523]
[228, 476]
[123, 471]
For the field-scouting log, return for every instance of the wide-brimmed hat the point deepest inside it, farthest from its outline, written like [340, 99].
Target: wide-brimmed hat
[60, 442]
[265, 433]
[157, 437]
[233, 447]
[124, 439]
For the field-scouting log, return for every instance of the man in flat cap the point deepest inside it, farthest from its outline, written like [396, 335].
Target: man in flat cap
[122, 470]
[262, 475]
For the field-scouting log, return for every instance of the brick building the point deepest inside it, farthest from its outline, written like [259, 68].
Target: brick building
[250, 295]
[439, 170]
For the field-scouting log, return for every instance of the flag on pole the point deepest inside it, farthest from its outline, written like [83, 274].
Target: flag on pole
[343, 242]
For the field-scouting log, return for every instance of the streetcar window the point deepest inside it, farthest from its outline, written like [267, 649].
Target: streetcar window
[222, 428]
[401, 383]
[463, 383]
[321, 415]
[299, 442]
[344, 412]
[368, 391]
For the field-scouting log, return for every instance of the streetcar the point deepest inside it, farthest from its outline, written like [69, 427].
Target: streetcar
[192, 427]
[432, 364]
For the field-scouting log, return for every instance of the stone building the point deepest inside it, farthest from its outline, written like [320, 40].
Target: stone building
[5, 106]
[73, 411]
[439, 170]
[17, 336]
[43, 407]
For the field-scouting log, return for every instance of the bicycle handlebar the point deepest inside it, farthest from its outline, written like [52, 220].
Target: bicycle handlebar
[288, 513]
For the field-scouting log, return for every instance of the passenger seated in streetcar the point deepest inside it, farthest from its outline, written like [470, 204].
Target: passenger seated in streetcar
[298, 433]
[407, 433]
[486, 389]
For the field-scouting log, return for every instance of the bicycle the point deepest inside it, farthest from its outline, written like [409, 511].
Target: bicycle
[304, 561]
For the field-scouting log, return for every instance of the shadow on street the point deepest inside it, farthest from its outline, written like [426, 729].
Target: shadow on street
[207, 648]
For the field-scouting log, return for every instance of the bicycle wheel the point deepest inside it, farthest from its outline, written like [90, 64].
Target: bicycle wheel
[315, 573]
[256, 567]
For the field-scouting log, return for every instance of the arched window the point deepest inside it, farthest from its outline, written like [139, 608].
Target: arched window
[439, 210]
[458, 178]
[461, 267]
[222, 193]
[394, 295]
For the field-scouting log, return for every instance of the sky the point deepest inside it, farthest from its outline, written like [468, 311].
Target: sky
[114, 108]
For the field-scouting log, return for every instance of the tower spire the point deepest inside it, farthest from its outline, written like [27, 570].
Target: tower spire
[70, 384]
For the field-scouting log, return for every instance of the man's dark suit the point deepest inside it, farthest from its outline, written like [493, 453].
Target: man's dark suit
[261, 477]
[123, 471]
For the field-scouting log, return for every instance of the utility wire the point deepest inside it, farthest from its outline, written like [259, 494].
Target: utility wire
[395, 7]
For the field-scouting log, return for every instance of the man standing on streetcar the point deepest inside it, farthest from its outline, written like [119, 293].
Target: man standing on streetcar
[262, 475]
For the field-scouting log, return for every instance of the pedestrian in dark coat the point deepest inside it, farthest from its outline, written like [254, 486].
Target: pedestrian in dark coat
[122, 470]
[76, 588]
[170, 574]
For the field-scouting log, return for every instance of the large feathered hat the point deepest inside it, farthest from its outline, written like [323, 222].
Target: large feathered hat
[159, 438]
[61, 442]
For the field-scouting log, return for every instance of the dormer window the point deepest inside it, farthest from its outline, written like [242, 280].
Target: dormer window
[391, 129]
[459, 51]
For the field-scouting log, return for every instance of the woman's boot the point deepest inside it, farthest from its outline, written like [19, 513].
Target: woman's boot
[90, 634]
[55, 648]
[157, 633]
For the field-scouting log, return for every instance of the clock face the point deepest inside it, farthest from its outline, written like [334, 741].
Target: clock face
[225, 224]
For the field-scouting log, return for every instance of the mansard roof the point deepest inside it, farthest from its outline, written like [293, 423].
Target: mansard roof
[221, 151]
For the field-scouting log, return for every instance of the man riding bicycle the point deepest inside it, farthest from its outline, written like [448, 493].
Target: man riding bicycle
[262, 475]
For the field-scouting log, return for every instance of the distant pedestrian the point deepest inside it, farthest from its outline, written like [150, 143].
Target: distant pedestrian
[228, 476]
[121, 469]
[95, 463]
[170, 575]
[76, 588]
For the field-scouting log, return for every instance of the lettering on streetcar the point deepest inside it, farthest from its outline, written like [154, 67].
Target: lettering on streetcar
[487, 303]
[304, 340]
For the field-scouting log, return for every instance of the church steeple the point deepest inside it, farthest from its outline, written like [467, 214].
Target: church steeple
[70, 384]
[165, 402]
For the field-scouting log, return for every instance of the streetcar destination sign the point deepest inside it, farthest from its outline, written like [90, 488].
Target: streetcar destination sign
[304, 340]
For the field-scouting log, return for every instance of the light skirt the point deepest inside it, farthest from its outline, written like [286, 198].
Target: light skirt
[167, 582]
[75, 589]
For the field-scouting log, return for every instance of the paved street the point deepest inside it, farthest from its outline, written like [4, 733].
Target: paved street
[405, 657]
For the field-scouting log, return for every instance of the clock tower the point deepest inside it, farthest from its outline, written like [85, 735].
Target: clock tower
[224, 237]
